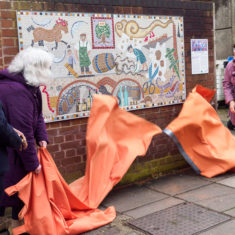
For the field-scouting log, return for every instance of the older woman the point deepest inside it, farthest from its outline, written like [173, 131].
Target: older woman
[22, 103]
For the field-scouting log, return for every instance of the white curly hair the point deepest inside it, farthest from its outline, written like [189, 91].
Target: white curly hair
[34, 64]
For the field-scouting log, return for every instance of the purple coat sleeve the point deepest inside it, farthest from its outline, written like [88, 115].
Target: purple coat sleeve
[41, 133]
[20, 109]
[228, 84]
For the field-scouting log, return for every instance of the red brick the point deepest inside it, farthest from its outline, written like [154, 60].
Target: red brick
[83, 128]
[37, 6]
[9, 33]
[65, 123]
[26, 5]
[50, 139]
[69, 130]
[81, 150]
[58, 163]
[69, 145]
[8, 59]
[5, 5]
[8, 23]
[79, 121]
[8, 14]
[70, 161]
[59, 155]
[69, 137]
[8, 42]
[10, 50]
[70, 153]
[58, 139]
[54, 125]
[75, 167]
[80, 135]
[52, 132]
[53, 148]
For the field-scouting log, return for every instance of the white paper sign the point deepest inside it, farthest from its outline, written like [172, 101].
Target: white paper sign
[199, 56]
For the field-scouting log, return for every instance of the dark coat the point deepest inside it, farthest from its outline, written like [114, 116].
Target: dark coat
[8, 137]
[23, 108]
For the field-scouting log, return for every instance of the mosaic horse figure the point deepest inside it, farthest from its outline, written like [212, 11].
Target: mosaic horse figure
[49, 35]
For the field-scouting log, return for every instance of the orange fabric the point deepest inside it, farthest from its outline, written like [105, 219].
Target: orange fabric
[114, 139]
[206, 93]
[204, 141]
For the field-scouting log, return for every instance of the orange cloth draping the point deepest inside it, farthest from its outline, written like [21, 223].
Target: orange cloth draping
[206, 144]
[114, 139]
[205, 92]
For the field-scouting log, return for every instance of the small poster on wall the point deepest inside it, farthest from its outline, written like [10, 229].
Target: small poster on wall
[199, 56]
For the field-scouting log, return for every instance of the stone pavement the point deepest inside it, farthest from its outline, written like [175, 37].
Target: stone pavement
[214, 197]
[184, 203]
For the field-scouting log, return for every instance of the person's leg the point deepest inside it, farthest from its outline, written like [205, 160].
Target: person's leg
[87, 70]
[15, 222]
[230, 125]
[15, 211]
[2, 208]
[82, 70]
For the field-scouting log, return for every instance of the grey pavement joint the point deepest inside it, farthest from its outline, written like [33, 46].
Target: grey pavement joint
[228, 182]
[226, 228]
[177, 184]
[153, 207]
[132, 197]
[214, 196]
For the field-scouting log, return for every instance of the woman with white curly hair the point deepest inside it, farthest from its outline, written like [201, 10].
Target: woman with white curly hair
[22, 104]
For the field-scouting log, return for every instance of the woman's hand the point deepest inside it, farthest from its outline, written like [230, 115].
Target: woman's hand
[24, 144]
[43, 143]
[232, 106]
[38, 169]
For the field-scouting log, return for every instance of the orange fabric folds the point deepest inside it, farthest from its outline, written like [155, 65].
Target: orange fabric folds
[206, 93]
[206, 144]
[114, 139]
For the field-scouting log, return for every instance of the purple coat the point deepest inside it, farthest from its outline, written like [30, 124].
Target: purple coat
[23, 108]
[229, 86]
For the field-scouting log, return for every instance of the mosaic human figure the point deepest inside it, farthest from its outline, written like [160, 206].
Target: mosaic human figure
[140, 57]
[71, 59]
[83, 50]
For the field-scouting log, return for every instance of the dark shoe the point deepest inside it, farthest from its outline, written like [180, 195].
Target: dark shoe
[230, 125]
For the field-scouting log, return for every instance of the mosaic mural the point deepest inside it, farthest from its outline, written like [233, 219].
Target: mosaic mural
[139, 59]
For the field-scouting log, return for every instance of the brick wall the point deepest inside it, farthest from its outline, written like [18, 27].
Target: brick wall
[67, 138]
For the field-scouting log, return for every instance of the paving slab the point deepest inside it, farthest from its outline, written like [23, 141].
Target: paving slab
[153, 207]
[230, 212]
[227, 228]
[214, 196]
[185, 218]
[218, 178]
[105, 230]
[228, 182]
[177, 184]
[132, 197]
[117, 227]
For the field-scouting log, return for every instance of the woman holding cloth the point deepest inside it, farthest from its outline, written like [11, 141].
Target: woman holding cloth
[22, 103]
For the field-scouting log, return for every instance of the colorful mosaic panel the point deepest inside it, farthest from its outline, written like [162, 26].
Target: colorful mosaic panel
[139, 59]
